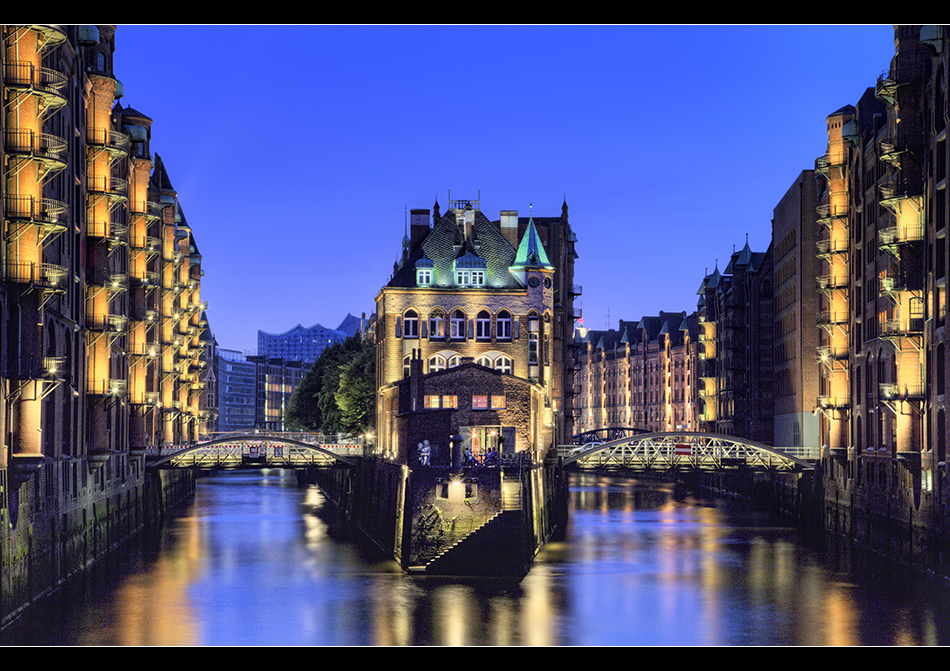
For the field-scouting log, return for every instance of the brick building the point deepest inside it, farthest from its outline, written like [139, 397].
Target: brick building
[467, 289]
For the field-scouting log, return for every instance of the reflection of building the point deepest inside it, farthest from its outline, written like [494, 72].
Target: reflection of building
[468, 289]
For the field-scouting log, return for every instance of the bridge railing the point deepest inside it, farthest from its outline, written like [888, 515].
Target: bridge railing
[686, 449]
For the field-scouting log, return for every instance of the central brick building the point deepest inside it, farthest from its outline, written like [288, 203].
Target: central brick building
[496, 295]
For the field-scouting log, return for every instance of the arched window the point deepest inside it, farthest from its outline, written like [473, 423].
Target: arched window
[410, 325]
[483, 326]
[437, 325]
[503, 325]
[534, 330]
[406, 365]
[457, 325]
[436, 363]
[454, 361]
[485, 360]
[503, 364]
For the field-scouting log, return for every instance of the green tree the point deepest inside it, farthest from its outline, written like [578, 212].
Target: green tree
[313, 406]
[356, 391]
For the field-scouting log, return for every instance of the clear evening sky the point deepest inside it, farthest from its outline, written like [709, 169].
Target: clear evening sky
[297, 151]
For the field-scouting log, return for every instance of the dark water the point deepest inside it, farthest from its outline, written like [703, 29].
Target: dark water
[251, 563]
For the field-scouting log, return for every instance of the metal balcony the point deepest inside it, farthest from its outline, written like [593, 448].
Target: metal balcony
[46, 84]
[49, 214]
[116, 144]
[49, 151]
[906, 392]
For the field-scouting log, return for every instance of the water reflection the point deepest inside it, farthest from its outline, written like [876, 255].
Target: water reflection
[253, 563]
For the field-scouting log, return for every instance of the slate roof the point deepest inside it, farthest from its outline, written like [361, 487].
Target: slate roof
[444, 244]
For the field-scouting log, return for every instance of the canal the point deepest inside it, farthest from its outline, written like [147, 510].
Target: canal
[252, 562]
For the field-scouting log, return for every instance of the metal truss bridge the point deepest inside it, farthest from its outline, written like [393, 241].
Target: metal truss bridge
[259, 450]
[685, 450]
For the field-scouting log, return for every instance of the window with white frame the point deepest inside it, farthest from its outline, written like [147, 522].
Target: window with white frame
[504, 364]
[483, 326]
[437, 325]
[410, 325]
[503, 325]
[485, 360]
[436, 363]
[423, 277]
[457, 325]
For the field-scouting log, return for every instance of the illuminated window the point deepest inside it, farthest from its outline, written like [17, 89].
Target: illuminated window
[432, 401]
[437, 324]
[479, 403]
[450, 401]
[483, 326]
[498, 402]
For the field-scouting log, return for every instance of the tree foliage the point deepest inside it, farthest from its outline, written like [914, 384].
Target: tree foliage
[338, 393]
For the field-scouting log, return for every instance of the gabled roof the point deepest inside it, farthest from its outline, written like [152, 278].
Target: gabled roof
[445, 247]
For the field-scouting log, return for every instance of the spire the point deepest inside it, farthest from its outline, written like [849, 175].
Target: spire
[530, 251]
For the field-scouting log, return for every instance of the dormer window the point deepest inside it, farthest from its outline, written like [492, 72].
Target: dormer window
[424, 268]
[470, 271]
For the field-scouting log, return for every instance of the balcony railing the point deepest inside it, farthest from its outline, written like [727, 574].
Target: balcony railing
[46, 275]
[45, 83]
[827, 318]
[902, 327]
[834, 401]
[898, 235]
[46, 212]
[50, 150]
[902, 391]
[113, 141]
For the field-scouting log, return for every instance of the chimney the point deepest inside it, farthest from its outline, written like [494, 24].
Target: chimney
[418, 228]
[509, 226]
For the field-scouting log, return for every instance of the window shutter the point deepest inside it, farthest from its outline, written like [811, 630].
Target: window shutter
[399, 327]
[423, 328]
[471, 328]
[515, 327]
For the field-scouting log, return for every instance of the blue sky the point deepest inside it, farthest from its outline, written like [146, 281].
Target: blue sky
[297, 151]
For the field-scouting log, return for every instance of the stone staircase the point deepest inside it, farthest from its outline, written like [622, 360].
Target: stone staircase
[495, 549]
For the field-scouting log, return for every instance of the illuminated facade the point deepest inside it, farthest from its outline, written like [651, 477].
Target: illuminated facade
[469, 290]
[642, 375]
[885, 209]
[102, 277]
[736, 367]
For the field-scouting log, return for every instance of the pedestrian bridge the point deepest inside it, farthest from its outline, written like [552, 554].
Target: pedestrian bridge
[258, 450]
[685, 450]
